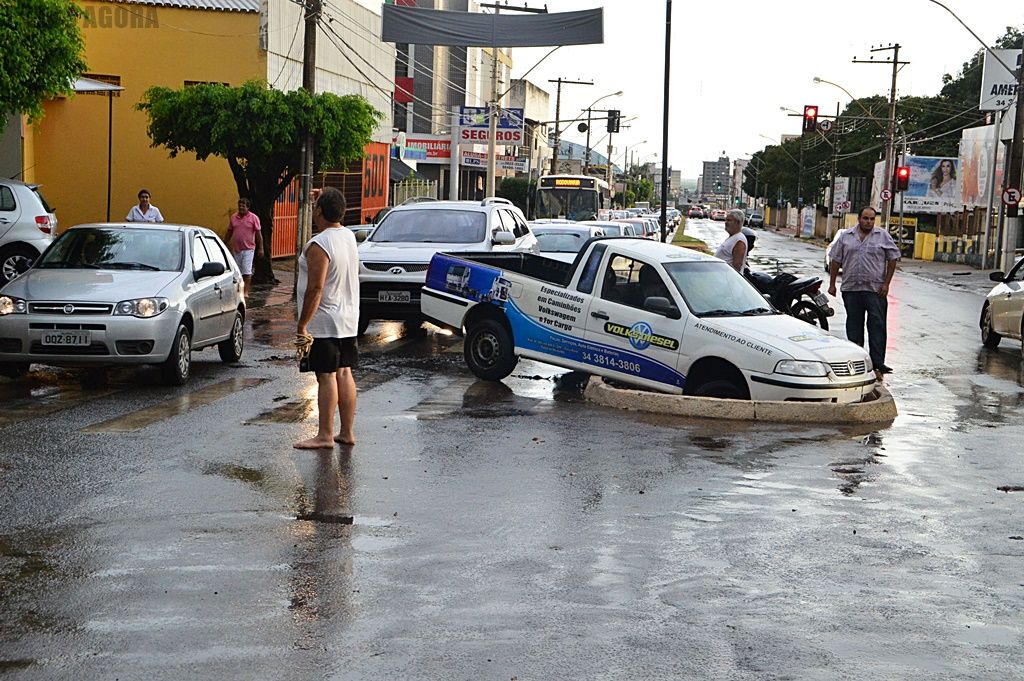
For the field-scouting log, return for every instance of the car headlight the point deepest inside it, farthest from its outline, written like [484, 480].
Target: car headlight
[11, 305]
[141, 307]
[794, 367]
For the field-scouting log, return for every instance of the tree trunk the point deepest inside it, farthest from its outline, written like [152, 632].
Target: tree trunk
[262, 270]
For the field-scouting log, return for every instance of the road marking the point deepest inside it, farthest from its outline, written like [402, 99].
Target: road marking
[137, 420]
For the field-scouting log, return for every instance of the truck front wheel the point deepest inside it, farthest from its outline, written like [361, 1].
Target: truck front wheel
[489, 350]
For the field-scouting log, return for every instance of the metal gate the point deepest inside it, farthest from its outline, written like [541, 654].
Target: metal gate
[412, 188]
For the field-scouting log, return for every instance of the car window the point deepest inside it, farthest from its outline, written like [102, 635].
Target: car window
[1017, 273]
[199, 255]
[713, 288]
[521, 229]
[7, 202]
[215, 252]
[42, 199]
[444, 226]
[505, 221]
[108, 249]
[560, 242]
[590, 270]
[630, 282]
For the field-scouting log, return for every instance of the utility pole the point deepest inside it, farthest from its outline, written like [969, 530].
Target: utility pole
[495, 107]
[832, 176]
[664, 123]
[586, 156]
[303, 231]
[1016, 158]
[890, 147]
[558, 114]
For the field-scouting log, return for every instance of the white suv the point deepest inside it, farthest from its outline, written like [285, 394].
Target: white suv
[393, 261]
[27, 227]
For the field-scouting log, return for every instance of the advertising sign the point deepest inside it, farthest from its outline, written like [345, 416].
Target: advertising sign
[935, 185]
[841, 195]
[476, 159]
[807, 220]
[427, 148]
[998, 86]
[976, 166]
[476, 126]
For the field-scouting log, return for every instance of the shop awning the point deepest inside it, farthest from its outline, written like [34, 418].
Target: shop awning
[399, 170]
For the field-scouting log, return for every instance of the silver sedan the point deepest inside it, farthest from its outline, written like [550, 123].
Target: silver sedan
[115, 294]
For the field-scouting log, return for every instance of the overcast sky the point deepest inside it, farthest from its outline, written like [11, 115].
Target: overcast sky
[735, 62]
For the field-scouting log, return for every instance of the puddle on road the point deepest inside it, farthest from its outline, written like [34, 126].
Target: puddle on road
[147, 416]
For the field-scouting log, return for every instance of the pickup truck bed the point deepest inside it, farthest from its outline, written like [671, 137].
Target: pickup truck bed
[536, 266]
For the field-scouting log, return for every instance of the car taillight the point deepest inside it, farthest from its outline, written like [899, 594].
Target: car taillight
[43, 223]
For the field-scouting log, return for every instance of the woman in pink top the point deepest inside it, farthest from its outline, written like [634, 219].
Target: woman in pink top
[245, 240]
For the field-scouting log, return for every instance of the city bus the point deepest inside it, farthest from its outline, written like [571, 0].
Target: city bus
[574, 197]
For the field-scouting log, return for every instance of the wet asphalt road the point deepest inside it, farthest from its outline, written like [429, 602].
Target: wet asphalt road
[509, 530]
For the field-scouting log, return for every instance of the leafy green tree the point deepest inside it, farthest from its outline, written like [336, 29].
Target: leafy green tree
[259, 131]
[41, 53]
[644, 189]
[519, 191]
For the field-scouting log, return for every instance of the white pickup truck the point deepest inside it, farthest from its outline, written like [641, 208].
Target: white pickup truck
[644, 313]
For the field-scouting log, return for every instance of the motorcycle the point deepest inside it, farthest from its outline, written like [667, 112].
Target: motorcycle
[798, 297]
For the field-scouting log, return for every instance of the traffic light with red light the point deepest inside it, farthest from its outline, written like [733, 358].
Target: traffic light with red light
[810, 118]
[902, 178]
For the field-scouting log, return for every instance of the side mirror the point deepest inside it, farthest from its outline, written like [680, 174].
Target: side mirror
[662, 306]
[997, 276]
[503, 238]
[210, 269]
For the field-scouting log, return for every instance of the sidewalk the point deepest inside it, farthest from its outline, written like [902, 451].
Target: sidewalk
[276, 294]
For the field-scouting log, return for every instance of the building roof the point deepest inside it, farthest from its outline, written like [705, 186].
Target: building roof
[221, 5]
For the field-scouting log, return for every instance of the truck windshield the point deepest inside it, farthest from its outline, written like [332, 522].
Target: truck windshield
[436, 226]
[574, 204]
[714, 289]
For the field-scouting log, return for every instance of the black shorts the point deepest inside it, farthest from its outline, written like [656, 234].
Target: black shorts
[330, 354]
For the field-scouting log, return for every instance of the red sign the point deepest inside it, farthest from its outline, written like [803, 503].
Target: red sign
[403, 90]
[376, 172]
[503, 136]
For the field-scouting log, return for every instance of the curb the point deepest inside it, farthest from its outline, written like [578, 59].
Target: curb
[880, 409]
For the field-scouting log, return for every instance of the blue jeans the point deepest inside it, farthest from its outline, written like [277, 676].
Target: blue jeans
[859, 303]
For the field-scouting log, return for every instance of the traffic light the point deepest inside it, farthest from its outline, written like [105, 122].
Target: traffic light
[902, 178]
[614, 116]
[810, 118]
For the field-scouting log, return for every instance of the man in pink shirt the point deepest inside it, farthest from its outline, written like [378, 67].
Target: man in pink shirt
[245, 240]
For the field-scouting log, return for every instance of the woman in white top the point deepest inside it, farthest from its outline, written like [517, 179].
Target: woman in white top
[734, 249]
[145, 211]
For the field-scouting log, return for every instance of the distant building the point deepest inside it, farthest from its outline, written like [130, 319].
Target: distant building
[739, 167]
[536, 105]
[716, 177]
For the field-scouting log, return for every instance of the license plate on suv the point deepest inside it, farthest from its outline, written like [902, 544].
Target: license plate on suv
[394, 297]
[67, 338]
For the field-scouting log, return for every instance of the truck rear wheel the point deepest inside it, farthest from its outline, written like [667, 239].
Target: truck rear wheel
[489, 350]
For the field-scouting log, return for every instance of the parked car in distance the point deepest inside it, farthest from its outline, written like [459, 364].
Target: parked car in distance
[393, 260]
[695, 212]
[828, 249]
[117, 294]
[615, 227]
[718, 214]
[27, 227]
[755, 220]
[563, 242]
[1002, 313]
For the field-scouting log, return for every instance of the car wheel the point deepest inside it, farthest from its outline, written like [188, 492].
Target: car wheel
[231, 349]
[13, 370]
[723, 389]
[13, 258]
[989, 338]
[364, 324]
[176, 367]
[489, 350]
[810, 313]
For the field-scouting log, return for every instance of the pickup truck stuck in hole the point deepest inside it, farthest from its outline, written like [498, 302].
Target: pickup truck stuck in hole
[640, 312]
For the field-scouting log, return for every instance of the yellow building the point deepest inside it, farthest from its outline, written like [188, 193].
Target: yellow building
[137, 44]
